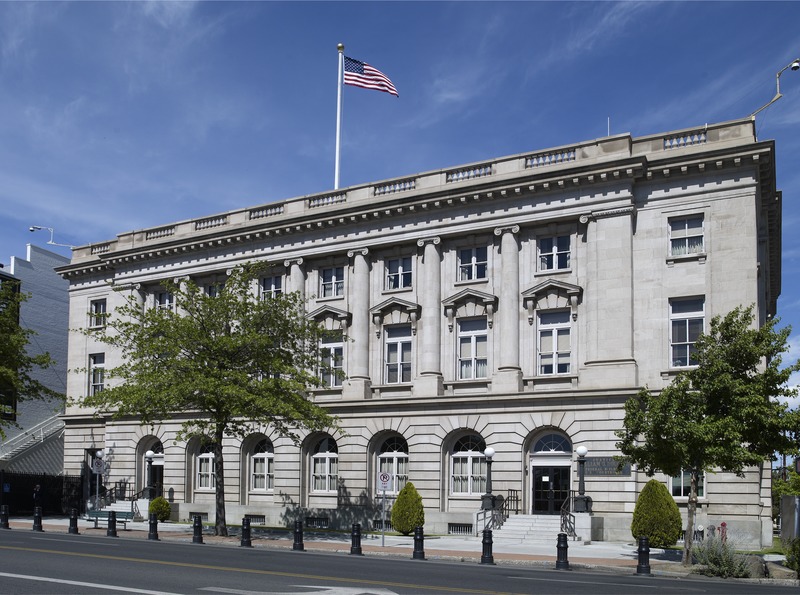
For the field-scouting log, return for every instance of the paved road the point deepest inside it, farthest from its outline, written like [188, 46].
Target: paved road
[32, 562]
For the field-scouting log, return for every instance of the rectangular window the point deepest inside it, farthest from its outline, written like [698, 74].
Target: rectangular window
[398, 273]
[472, 263]
[398, 354]
[332, 369]
[472, 349]
[681, 485]
[554, 253]
[686, 235]
[326, 473]
[686, 324]
[97, 313]
[97, 373]
[331, 282]
[554, 343]
[163, 300]
[271, 286]
[205, 472]
[263, 473]
[214, 289]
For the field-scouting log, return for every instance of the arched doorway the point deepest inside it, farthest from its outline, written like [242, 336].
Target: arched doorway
[153, 459]
[551, 460]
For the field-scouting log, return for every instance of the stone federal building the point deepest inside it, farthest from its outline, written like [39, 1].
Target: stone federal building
[515, 304]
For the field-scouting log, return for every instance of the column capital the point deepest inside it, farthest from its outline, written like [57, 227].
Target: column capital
[435, 240]
[361, 251]
[290, 261]
[513, 229]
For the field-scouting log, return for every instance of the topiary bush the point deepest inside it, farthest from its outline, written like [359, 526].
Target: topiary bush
[656, 516]
[160, 506]
[408, 512]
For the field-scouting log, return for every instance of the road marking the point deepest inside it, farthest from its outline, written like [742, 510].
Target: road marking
[101, 586]
[322, 590]
[314, 577]
[100, 543]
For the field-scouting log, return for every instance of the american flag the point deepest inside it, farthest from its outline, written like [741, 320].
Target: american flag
[360, 74]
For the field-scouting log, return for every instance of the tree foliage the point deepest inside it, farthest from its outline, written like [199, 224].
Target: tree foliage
[408, 512]
[656, 516]
[724, 414]
[17, 367]
[230, 363]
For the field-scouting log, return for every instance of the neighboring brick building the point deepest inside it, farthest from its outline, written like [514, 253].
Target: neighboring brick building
[515, 303]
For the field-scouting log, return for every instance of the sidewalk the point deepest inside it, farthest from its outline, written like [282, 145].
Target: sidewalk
[599, 555]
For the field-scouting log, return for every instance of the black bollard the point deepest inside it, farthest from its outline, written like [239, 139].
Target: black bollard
[562, 562]
[73, 522]
[643, 566]
[419, 544]
[245, 542]
[298, 537]
[4, 517]
[112, 524]
[486, 556]
[153, 521]
[37, 519]
[198, 529]
[355, 540]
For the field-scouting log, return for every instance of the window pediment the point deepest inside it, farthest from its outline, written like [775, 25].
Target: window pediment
[550, 295]
[470, 302]
[332, 316]
[395, 311]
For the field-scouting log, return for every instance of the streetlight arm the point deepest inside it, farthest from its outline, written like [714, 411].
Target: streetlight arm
[794, 65]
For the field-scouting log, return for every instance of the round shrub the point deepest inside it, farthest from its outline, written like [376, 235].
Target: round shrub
[408, 512]
[160, 506]
[656, 516]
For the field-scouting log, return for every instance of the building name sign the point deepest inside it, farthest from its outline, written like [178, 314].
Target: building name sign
[599, 466]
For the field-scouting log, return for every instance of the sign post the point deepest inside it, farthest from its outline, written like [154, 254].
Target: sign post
[384, 483]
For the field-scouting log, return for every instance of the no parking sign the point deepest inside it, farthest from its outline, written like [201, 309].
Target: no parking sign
[384, 482]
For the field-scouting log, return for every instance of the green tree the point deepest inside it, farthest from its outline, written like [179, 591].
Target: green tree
[783, 486]
[656, 516]
[724, 414]
[408, 512]
[233, 360]
[17, 367]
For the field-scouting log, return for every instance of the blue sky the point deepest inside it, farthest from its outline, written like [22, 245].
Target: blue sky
[117, 116]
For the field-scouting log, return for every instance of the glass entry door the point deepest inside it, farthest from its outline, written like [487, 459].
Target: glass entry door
[550, 489]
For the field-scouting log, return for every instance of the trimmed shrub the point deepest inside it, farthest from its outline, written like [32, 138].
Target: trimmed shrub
[656, 516]
[161, 507]
[792, 550]
[408, 512]
[719, 558]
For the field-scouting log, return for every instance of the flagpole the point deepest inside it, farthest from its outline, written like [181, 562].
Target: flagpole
[340, 47]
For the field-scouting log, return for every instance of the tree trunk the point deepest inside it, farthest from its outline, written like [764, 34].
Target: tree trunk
[691, 512]
[220, 526]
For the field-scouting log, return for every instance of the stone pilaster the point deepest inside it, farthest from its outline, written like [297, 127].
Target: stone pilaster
[508, 377]
[297, 277]
[429, 290]
[358, 385]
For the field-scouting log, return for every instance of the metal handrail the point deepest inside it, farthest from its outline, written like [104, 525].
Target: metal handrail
[567, 518]
[40, 431]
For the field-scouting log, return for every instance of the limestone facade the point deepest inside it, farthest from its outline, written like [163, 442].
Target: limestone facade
[515, 304]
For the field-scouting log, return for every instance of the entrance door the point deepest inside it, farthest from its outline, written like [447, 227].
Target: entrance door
[550, 489]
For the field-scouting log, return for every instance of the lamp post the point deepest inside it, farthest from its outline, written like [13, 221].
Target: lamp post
[98, 470]
[487, 500]
[794, 65]
[148, 456]
[583, 503]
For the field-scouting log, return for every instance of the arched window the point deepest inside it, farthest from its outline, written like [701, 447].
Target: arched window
[468, 466]
[393, 459]
[205, 468]
[325, 465]
[553, 443]
[262, 472]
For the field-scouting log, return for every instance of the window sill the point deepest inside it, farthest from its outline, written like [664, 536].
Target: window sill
[672, 372]
[481, 281]
[398, 290]
[330, 298]
[553, 272]
[698, 256]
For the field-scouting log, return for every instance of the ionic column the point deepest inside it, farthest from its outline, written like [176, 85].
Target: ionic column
[359, 308]
[297, 277]
[509, 376]
[429, 381]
